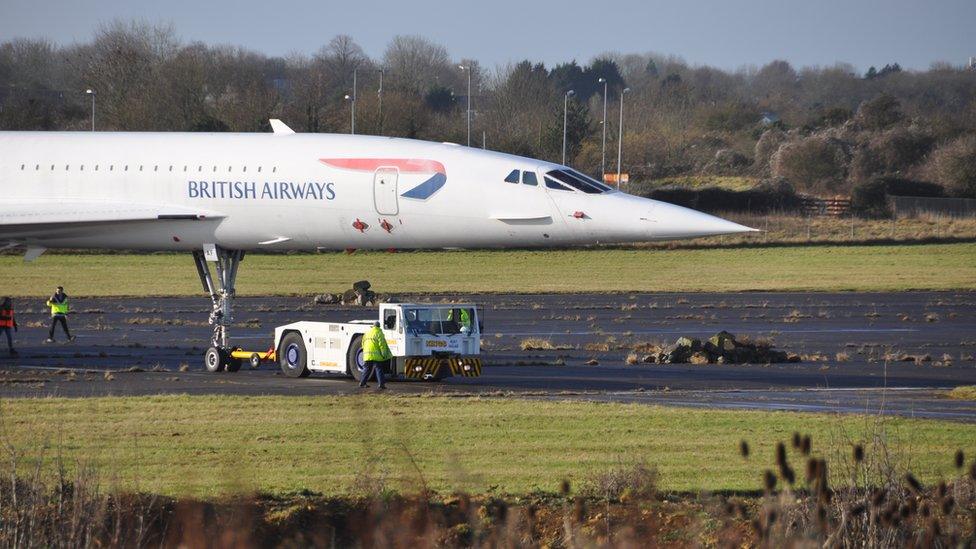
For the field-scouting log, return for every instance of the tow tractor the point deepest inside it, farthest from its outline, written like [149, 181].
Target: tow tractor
[428, 341]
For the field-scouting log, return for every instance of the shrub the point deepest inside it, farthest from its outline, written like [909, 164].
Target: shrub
[767, 145]
[817, 163]
[871, 197]
[769, 196]
[879, 113]
[954, 166]
[893, 151]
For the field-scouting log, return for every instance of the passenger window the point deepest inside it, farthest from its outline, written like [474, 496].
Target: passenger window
[389, 319]
[528, 178]
[512, 177]
[550, 183]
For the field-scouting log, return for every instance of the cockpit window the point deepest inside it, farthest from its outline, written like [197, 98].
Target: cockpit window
[578, 181]
[552, 184]
[513, 177]
[590, 180]
[528, 178]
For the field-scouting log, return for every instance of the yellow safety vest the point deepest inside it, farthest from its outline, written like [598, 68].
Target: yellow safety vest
[58, 308]
[374, 346]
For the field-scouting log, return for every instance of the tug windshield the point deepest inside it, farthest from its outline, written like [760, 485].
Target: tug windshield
[439, 320]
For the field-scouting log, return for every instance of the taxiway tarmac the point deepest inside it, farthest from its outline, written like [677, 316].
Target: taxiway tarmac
[845, 338]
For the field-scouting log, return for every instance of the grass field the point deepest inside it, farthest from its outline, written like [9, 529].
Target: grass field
[800, 268]
[209, 446]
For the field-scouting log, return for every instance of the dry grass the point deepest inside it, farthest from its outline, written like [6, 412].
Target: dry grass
[540, 344]
[963, 392]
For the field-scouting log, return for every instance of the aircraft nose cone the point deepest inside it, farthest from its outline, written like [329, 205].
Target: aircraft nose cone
[677, 220]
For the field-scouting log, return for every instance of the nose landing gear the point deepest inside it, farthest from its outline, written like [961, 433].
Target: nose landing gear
[218, 357]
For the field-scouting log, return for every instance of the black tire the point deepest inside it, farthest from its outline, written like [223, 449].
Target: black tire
[215, 360]
[233, 364]
[255, 361]
[292, 356]
[354, 359]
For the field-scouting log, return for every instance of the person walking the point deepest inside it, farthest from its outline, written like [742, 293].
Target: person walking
[59, 314]
[8, 323]
[375, 354]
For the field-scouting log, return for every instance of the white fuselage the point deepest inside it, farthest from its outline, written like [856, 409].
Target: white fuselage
[179, 191]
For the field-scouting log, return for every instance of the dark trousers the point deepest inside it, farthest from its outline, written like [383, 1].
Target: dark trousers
[10, 340]
[372, 366]
[64, 324]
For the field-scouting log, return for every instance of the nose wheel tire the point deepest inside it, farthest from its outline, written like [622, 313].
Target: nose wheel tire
[215, 360]
[293, 358]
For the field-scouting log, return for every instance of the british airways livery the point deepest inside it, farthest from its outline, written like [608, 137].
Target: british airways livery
[221, 195]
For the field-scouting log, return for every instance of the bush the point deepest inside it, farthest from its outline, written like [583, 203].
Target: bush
[815, 164]
[871, 197]
[893, 151]
[954, 166]
[767, 145]
[770, 196]
[879, 113]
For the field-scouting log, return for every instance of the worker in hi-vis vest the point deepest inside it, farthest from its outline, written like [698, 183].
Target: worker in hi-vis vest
[59, 314]
[464, 318]
[375, 355]
[8, 324]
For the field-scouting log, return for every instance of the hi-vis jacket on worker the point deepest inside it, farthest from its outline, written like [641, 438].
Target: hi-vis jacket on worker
[58, 304]
[375, 348]
[465, 319]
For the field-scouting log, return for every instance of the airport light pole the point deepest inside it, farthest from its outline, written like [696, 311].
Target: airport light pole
[468, 69]
[354, 71]
[380, 93]
[352, 125]
[91, 92]
[620, 135]
[566, 119]
[603, 156]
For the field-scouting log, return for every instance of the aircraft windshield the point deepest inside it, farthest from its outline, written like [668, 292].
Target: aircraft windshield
[578, 181]
[438, 320]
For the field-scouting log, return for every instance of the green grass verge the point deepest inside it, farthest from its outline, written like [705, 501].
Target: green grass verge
[207, 446]
[800, 268]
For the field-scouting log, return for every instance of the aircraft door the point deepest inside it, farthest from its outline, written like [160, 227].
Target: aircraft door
[385, 191]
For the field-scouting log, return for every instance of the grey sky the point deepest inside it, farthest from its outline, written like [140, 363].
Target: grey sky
[728, 34]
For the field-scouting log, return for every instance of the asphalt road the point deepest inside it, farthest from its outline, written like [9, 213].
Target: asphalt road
[155, 346]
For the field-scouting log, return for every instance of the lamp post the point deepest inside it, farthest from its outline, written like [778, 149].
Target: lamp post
[565, 120]
[603, 156]
[380, 93]
[354, 71]
[468, 69]
[352, 125]
[620, 135]
[91, 92]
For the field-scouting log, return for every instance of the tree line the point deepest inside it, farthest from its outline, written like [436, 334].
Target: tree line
[822, 130]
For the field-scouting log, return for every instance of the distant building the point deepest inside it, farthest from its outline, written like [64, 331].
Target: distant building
[768, 117]
[972, 63]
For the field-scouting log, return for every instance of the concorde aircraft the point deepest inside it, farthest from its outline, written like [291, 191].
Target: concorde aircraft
[221, 195]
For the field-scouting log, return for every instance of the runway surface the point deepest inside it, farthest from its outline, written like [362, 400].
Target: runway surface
[140, 346]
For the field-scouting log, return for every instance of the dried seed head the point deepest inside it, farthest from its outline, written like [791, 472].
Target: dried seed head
[744, 448]
[780, 454]
[942, 489]
[797, 441]
[972, 470]
[858, 453]
[913, 483]
[926, 512]
[564, 487]
[786, 472]
[769, 480]
[806, 445]
[812, 466]
[771, 517]
[877, 497]
[579, 509]
[960, 459]
[947, 505]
